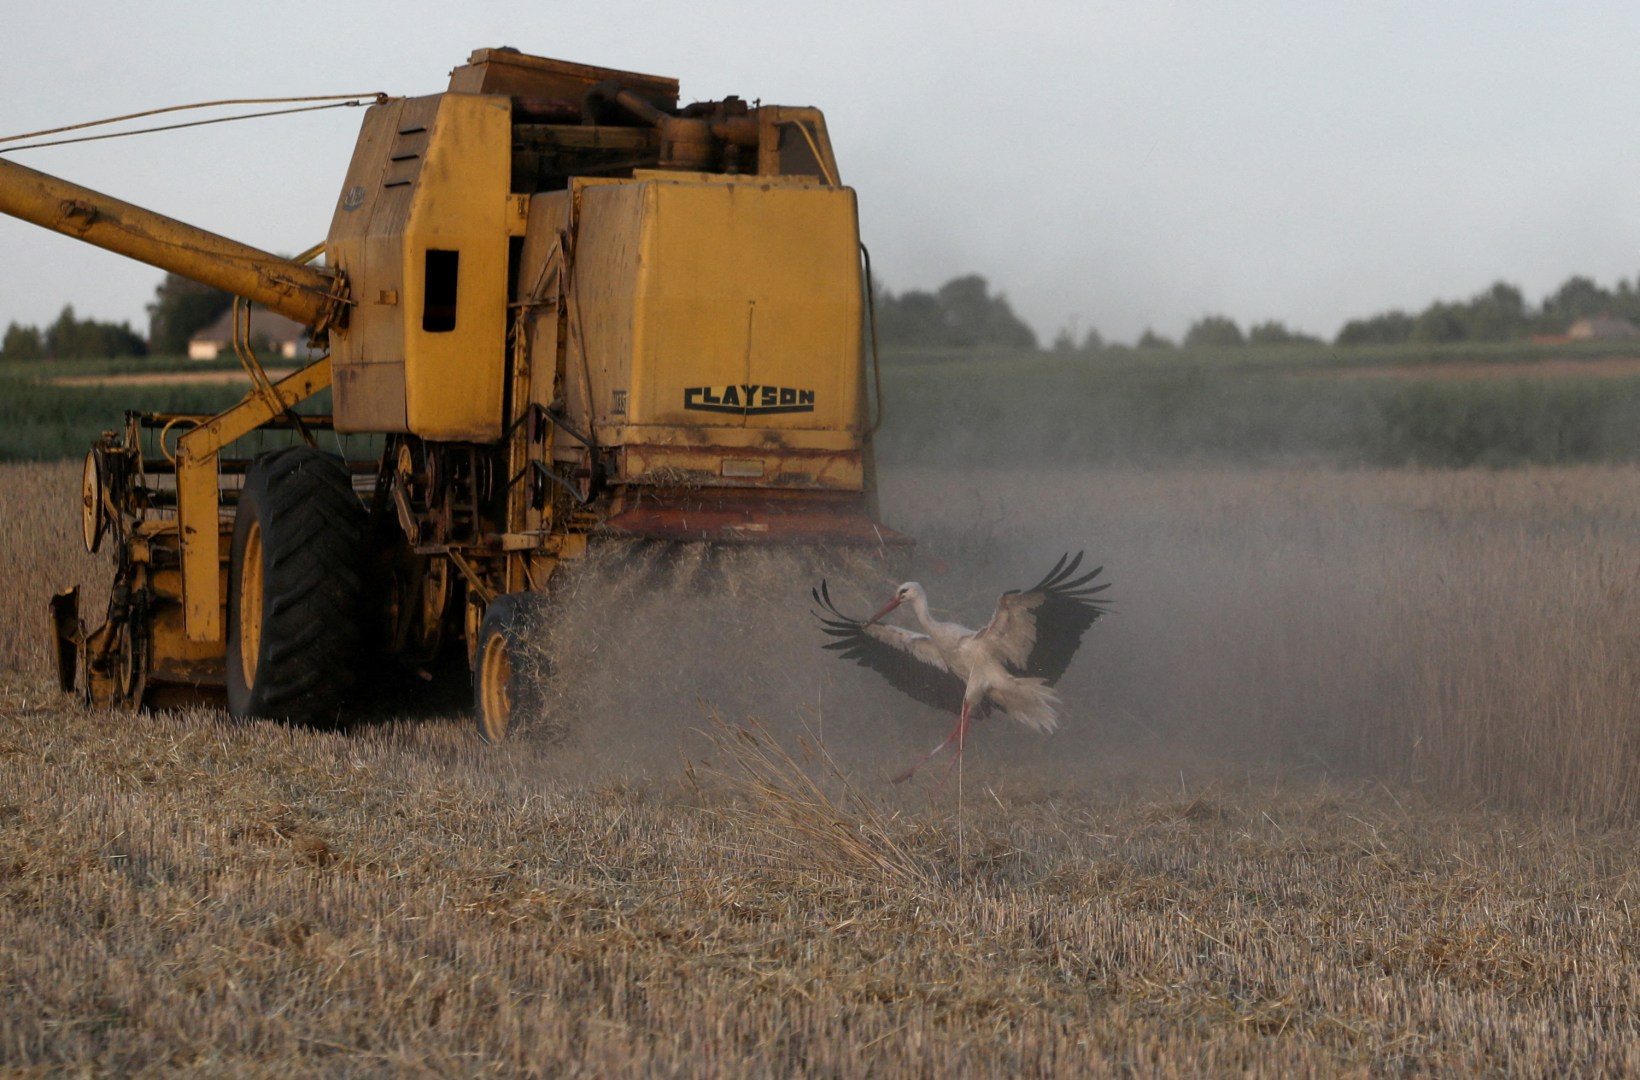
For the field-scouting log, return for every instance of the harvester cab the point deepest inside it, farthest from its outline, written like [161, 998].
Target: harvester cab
[566, 307]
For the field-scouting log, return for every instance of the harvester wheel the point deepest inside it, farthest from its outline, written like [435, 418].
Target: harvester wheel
[131, 666]
[93, 514]
[294, 586]
[502, 685]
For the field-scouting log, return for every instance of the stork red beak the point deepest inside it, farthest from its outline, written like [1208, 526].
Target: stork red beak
[888, 607]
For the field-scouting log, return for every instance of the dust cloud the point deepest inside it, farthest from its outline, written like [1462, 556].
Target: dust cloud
[1469, 631]
[1215, 585]
[644, 643]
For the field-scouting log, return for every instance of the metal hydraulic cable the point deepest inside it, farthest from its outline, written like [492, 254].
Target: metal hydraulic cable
[335, 101]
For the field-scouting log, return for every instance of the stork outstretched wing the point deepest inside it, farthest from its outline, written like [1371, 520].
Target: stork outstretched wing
[1038, 630]
[908, 660]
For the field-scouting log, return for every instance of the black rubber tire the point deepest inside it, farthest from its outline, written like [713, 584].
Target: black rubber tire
[310, 529]
[505, 689]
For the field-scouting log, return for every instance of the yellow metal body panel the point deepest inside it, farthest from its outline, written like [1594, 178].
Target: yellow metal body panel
[421, 231]
[702, 307]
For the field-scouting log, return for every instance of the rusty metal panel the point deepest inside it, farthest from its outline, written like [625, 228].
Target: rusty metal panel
[734, 439]
[751, 517]
[176, 658]
[508, 71]
[725, 466]
[792, 141]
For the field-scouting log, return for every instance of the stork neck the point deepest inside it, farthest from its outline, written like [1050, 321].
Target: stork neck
[919, 608]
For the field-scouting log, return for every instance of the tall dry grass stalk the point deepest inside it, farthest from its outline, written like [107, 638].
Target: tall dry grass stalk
[41, 552]
[1519, 673]
[784, 803]
[1474, 632]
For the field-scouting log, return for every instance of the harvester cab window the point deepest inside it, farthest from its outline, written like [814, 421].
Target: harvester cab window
[438, 311]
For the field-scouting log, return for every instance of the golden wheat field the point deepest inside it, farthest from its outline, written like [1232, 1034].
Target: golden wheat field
[1346, 787]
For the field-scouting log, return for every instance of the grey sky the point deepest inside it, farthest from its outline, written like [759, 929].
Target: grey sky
[1116, 165]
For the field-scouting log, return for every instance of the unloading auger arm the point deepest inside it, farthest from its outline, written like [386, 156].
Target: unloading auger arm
[312, 296]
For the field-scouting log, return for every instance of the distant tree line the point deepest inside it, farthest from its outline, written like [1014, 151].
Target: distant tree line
[71, 338]
[1497, 313]
[961, 314]
[965, 313]
[1207, 332]
[181, 308]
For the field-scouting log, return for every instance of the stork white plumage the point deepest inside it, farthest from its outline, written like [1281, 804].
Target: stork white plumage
[1010, 665]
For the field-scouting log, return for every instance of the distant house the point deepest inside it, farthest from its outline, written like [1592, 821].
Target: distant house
[1602, 328]
[286, 337]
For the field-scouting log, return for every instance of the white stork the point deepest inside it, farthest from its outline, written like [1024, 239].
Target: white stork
[1034, 633]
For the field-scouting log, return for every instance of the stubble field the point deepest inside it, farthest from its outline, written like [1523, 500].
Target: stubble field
[1347, 786]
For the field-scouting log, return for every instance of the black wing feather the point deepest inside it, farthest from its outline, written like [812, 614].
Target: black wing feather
[1069, 606]
[932, 686]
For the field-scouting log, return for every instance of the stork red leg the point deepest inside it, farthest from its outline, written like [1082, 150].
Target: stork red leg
[959, 735]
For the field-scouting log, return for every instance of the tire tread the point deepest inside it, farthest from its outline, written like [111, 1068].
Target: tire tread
[313, 530]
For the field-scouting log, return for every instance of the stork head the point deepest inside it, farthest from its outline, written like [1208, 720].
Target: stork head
[909, 591]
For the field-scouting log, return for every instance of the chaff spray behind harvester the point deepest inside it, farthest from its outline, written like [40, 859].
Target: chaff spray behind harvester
[568, 307]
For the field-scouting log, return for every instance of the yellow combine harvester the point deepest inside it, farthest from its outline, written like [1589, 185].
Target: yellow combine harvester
[568, 307]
